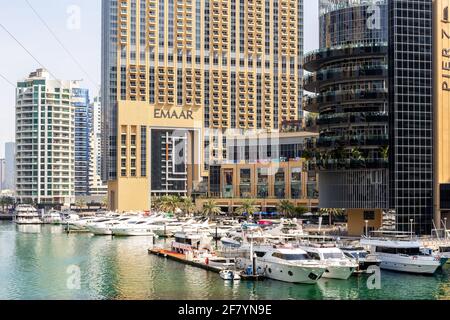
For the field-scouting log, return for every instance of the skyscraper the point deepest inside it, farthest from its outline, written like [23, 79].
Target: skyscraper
[411, 125]
[10, 159]
[96, 185]
[372, 82]
[349, 81]
[83, 128]
[45, 139]
[177, 74]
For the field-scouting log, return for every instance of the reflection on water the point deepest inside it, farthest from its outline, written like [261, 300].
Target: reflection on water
[35, 261]
[29, 228]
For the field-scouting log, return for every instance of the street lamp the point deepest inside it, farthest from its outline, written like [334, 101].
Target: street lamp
[411, 230]
[367, 227]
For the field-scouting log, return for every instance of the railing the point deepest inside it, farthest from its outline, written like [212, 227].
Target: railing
[313, 59]
[311, 81]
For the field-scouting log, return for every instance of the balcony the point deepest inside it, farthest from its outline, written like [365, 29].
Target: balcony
[347, 141]
[313, 82]
[313, 103]
[315, 59]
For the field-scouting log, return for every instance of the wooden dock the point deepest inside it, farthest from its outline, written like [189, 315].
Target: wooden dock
[182, 258]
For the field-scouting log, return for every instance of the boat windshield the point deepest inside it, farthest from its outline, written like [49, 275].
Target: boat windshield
[444, 249]
[333, 255]
[404, 251]
[291, 256]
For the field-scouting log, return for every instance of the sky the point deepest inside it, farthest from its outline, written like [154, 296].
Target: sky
[77, 25]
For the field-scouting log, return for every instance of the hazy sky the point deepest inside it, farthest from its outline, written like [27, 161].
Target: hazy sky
[82, 37]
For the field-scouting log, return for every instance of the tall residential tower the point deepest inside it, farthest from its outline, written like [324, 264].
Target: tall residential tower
[45, 140]
[177, 74]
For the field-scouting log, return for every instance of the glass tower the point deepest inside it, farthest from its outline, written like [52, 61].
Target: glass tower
[411, 110]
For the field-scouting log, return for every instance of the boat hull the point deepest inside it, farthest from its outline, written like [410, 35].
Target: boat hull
[409, 264]
[99, 231]
[133, 232]
[338, 272]
[288, 273]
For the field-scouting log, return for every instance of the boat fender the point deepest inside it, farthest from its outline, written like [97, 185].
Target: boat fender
[206, 261]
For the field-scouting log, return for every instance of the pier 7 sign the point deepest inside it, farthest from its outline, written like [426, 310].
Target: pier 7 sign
[444, 48]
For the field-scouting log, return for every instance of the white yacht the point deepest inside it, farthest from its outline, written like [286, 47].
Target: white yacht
[78, 224]
[284, 264]
[402, 255]
[52, 217]
[338, 266]
[105, 227]
[138, 227]
[167, 229]
[26, 214]
[187, 243]
[231, 242]
[362, 257]
[444, 251]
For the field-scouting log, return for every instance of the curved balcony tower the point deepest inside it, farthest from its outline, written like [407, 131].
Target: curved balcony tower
[348, 90]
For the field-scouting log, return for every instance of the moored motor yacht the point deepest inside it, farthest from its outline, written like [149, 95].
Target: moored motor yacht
[402, 255]
[231, 242]
[362, 257]
[26, 214]
[80, 224]
[338, 266]
[282, 263]
[105, 227]
[167, 229]
[444, 251]
[52, 217]
[139, 227]
[190, 243]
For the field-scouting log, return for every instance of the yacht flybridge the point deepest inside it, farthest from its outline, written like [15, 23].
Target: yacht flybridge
[26, 214]
[402, 253]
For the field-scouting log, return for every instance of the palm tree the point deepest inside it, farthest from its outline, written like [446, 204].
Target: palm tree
[170, 204]
[300, 210]
[248, 207]
[210, 209]
[384, 151]
[331, 213]
[80, 203]
[286, 208]
[104, 202]
[188, 206]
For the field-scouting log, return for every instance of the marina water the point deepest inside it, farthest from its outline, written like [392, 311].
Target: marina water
[43, 262]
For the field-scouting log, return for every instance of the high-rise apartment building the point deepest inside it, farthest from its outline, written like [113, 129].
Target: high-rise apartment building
[83, 128]
[10, 167]
[45, 140]
[96, 185]
[177, 74]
